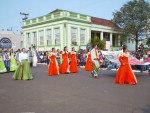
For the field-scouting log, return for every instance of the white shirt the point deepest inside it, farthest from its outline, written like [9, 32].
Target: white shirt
[93, 54]
[23, 56]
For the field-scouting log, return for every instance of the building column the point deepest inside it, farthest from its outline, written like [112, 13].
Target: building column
[37, 39]
[24, 40]
[65, 35]
[101, 35]
[111, 36]
[69, 38]
[45, 39]
[118, 40]
[78, 38]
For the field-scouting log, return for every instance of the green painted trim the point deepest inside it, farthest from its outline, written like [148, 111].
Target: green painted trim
[40, 46]
[55, 20]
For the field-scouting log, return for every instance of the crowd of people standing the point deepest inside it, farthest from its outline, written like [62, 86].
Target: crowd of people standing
[62, 62]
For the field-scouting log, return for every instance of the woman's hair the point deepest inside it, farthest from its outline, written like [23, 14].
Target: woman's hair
[72, 48]
[65, 48]
[53, 49]
[124, 47]
[22, 49]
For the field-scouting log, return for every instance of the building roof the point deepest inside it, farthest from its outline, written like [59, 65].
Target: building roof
[92, 20]
[103, 22]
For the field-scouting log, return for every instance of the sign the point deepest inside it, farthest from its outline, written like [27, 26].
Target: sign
[107, 45]
[5, 43]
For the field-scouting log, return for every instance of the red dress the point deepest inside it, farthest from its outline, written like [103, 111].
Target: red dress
[64, 67]
[88, 65]
[53, 68]
[73, 63]
[125, 74]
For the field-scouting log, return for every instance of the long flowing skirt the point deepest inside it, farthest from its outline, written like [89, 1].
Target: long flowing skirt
[53, 68]
[64, 67]
[13, 65]
[73, 66]
[125, 75]
[35, 61]
[2, 67]
[96, 66]
[88, 65]
[23, 72]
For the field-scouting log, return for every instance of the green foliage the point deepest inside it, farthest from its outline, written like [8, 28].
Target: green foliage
[148, 42]
[133, 18]
[123, 39]
[100, 43]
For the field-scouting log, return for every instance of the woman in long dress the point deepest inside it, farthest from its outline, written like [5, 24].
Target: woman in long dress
[64, 67]
[2, 65]
[34, 58]
[88, 64]
[23, 72]
[125, 74]
[53, 68]
[13, 62]
[95, 61]
[73, 61]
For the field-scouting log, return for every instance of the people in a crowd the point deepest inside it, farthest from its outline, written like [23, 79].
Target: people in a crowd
[125, 74]
[13, 62]
[53, 68]
[73, 61]
[64, 67]
[30, 54]
[6, 59]
[89, 63]
[23, 71]
[2, 65]
[95, 61]
[35, 60]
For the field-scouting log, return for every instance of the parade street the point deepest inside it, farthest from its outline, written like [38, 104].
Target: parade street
[73, 93]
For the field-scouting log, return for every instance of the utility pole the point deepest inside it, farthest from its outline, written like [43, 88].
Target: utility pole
[25, 15]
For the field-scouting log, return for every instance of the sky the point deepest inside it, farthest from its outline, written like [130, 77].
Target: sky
[10, 9]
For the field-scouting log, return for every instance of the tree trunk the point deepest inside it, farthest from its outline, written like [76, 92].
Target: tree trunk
[136, 42]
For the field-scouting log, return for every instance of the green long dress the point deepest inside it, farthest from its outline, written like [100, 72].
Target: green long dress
[23, 71]
[13, 63]
[2, 66]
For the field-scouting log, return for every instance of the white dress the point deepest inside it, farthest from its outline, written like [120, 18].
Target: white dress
[34, 59]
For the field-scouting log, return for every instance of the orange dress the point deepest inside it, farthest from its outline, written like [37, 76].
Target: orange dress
[53, 68]
[125, 74]
[64, 67]
[73, 62]
[88, 64]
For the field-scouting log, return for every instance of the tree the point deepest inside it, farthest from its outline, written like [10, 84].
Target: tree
[148, 42]
[100, 43]
[133, 19]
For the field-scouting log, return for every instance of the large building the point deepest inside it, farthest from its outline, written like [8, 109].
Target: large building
[61, 28]
[9, 40]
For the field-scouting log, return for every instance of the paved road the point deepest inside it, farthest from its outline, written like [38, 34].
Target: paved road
[74, 93]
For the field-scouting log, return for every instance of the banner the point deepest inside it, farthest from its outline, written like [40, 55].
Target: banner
[113, 57]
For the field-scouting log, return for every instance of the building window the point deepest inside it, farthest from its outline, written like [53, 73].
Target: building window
[57, 36]
[41, 37]
[28, 39]
[49, 36]
[34, 38]
[74, 34]
[82, 36]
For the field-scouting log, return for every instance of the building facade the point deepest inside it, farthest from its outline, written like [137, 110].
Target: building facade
[61, 28]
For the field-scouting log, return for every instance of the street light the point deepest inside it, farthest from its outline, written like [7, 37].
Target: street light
[25, 15]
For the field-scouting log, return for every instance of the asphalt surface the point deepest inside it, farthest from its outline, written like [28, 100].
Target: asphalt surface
[73, 93]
